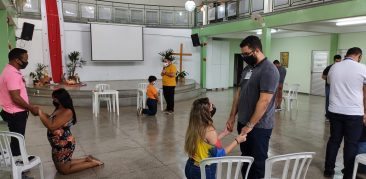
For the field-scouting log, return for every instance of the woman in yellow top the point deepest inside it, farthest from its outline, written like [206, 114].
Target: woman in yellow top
[168, 73]
[202, 140]
[152, 98]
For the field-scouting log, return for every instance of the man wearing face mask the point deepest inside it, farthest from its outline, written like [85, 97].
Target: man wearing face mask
[168, 73]
[14, 97]
[254, 103]
[347, 110]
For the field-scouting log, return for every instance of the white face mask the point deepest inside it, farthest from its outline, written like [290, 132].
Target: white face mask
[153, 82]
[166, 64]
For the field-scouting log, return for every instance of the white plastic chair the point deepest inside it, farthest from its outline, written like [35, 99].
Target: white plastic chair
[141, 96]
[291, 96]
[229, 160]
[7, 162]
[297, 160]
[104, 97]
[360, 158]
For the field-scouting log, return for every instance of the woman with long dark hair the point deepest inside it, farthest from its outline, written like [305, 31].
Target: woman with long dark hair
[60, 136]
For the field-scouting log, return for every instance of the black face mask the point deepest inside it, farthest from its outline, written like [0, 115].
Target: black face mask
[23, 65]
[56, 104]
[213, 110]
[250, 60]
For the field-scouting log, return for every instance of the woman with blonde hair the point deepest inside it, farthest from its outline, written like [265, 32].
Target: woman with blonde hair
[202, 140]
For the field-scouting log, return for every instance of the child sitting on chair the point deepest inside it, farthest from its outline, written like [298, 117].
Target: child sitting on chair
[152, 98]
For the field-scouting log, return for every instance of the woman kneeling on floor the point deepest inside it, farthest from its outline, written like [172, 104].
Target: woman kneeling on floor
[60, 137]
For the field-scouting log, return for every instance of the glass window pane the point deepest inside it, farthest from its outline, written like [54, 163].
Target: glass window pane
[181, 17]
[167, 17]
[70, 9]
[152, 17]
[244, 6]
[211, 13]
[88, 11]
[280, 2]
[231, 9]
[221, 11]
[258, 5]
[31, 6]
[105, 12]
[137, 16]
[121, 15]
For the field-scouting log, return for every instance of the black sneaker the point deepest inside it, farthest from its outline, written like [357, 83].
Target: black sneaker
[328, 173]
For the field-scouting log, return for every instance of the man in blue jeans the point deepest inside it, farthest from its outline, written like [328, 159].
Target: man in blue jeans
[347, 81]
[337, 58]
[255, 105]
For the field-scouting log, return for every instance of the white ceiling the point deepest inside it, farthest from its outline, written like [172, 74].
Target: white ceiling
[304, 29]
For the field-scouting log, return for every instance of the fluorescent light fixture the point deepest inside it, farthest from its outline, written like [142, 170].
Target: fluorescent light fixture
[259, 32]
[351, 21]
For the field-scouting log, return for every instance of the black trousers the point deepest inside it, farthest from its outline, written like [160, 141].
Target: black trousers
[16, 123]
[255, 146]
[168, 92]
[152, 105]
[349, 128]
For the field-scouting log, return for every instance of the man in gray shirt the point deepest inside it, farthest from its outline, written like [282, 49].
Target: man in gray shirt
[254, 103]
[282, 72]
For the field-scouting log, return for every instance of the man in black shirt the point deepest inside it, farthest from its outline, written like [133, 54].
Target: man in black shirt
[337, 58]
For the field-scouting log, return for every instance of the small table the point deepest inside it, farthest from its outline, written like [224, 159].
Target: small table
[115, 100]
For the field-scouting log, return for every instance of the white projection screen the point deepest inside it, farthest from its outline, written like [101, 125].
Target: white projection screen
[112, 42]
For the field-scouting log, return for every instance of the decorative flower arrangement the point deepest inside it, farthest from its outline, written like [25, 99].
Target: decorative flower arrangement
[75, 62]
[168, 54]
[40, 75]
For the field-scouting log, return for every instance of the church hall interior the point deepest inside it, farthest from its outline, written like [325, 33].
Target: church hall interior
[133, 73]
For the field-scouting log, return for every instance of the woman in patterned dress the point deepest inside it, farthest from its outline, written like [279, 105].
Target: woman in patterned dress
[60, 137]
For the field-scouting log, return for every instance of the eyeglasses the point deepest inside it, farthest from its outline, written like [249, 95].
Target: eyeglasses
[247, 54]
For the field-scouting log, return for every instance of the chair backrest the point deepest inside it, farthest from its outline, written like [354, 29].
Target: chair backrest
[142, 86]
[299, 165]
[102, 87]
[6, 157]
[293, 89]
[229, 160]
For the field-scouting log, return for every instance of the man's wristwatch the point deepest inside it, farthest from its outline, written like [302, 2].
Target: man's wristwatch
[249, 125]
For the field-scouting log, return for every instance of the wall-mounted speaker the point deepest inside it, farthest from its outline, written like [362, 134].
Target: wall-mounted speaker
[27, 31]
[195, 40]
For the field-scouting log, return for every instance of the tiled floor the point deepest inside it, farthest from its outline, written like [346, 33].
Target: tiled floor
[152, 147]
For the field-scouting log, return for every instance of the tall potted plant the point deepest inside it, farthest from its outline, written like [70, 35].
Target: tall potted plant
[75, 62]
[40, 75]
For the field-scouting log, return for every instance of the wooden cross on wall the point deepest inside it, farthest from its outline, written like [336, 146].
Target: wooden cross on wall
[181, 54]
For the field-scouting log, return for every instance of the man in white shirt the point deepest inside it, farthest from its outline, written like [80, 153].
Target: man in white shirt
[347, 81]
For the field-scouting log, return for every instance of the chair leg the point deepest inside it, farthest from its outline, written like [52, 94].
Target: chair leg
[355, 169]
[17, 174]
[138, 100]
[41, 170]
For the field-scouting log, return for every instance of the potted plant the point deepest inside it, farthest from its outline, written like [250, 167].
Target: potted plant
[40, 75]
[75, 62]
[181, 76]
[168, 54]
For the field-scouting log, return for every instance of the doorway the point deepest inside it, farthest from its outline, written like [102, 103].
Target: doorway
[238, 68]
[319, 63]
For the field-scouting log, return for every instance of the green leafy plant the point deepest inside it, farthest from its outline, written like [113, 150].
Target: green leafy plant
[182, 74]
[168, 54]
[40, 72]
[75, 62]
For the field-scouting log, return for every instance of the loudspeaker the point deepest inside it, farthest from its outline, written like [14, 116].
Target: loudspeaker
[27, 32]
[195, 40]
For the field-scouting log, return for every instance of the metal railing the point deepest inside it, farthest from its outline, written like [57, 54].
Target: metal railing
[216, 11]
[116, 12]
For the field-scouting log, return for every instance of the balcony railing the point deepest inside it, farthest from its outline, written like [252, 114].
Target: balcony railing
[215, 12]
[116, 12]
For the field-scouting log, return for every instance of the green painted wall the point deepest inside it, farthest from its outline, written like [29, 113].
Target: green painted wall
[349, 40]
[3, 39]
[299, 48]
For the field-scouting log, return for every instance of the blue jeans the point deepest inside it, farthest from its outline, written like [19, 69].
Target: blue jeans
[152, 105]
[193, 172]
[350, 128]
[255, 146]
[327, 90]
[362, 150]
